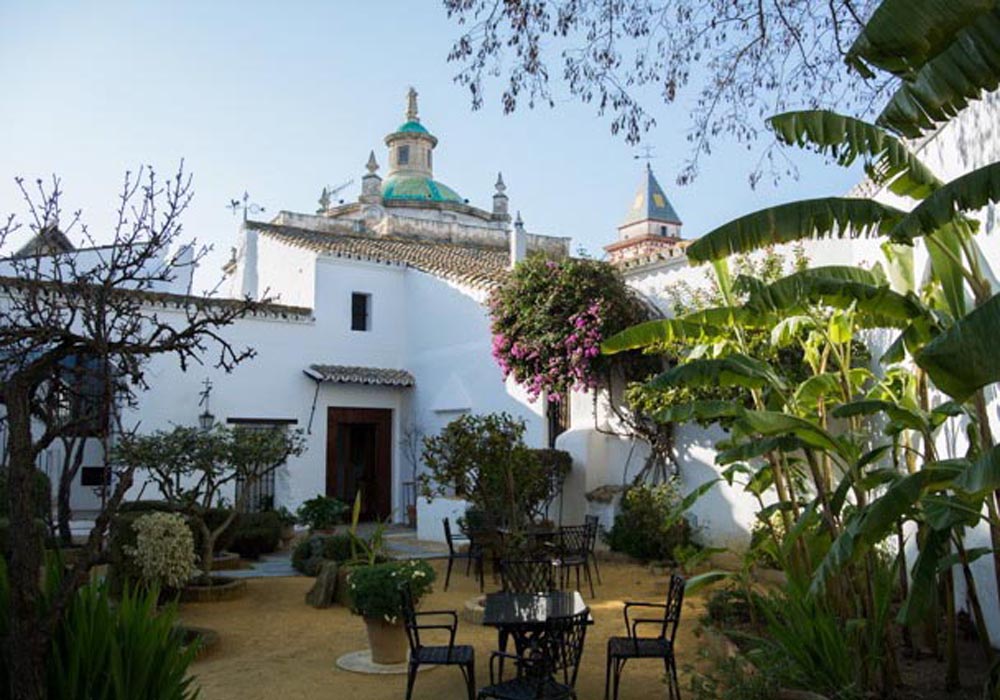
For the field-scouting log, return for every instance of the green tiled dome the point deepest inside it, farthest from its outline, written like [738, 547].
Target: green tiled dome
[412, 127]
[418, 187]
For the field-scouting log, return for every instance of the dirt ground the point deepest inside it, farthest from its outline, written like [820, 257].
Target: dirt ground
[274, 646]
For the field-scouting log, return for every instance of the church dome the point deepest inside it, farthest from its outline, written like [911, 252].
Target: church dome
[412, 127]
[408, 186]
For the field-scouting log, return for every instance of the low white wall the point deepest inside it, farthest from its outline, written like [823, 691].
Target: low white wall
[431, 514]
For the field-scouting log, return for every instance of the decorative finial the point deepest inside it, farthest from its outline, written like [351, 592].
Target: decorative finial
[501, 188]
[517, 221]
[324, 200]
[372, 164]
[411, 106]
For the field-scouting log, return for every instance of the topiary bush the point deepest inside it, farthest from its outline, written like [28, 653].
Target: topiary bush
[163, 553]
[255, 534]
[309, 555]
[322, 512]
[650, 524]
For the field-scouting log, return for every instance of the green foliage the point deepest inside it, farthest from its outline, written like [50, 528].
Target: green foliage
[104, 649]
[375, 589]
[255, 534]
[729, 607]
[650, 525]
[43, 496]
[322, 512]
[483, 458]
[309, 554]
[731, 678]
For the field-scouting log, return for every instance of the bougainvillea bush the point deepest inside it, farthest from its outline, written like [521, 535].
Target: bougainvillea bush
[549, 318]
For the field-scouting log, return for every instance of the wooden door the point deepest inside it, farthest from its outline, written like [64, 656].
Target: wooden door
[359, 458]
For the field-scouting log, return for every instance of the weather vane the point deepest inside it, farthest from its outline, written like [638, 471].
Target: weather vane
[646, 155]
[246, 205]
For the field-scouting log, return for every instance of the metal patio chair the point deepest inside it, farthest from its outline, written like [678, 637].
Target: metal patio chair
[473, 555]
[461, 655]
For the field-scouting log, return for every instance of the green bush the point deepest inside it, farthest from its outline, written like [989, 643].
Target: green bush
[729, 606]
[40, 525]
[164, 550]
[43, 496]
[255, 534]
[375, 589]
[309, 555]
[127, 649]
[650, 526]
[322, 512]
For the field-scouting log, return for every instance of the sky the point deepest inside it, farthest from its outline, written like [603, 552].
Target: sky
[280, 99]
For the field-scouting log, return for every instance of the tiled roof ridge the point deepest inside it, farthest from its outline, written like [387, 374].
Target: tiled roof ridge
[477, 266]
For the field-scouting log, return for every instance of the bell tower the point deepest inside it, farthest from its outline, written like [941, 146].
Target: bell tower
[651, 229]
[411, 145]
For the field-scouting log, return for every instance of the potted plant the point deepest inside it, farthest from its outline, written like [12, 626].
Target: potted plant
[375, 597]
[322, 513]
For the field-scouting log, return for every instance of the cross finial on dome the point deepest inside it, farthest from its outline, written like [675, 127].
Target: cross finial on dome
[411, 106]
[372, 164]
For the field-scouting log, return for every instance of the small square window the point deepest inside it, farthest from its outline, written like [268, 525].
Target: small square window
[93, 476]
[361, 311]
[403, 155]
[663, 230]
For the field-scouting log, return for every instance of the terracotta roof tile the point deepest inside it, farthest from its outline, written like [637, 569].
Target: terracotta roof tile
[474, 266]
[345, 374]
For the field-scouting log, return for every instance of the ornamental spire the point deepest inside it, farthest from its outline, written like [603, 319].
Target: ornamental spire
[411, 106]
[372, 164]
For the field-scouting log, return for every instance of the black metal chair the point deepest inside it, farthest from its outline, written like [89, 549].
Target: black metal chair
[473, 555]
[539, 575]
[594, 524]
[573, 542]
[547, 668]
[461, 655]
[621, 649]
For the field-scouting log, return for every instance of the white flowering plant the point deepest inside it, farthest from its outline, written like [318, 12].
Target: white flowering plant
[375, 590]
[164, 550]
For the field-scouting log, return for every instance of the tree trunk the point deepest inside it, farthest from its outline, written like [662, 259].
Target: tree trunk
[25, 645]
[72, 461]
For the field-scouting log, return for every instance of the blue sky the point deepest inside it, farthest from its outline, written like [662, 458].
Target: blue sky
[283, 98]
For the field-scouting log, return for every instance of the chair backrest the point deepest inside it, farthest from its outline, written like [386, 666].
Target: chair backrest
[573, 539]
[449, 537]
[557, 649]
[675, 599]
[593, 525]
[410, 615]
[528, 575]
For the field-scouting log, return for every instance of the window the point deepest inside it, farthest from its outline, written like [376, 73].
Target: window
[260, 493]
[557, 415]
[403, 155]
[94, 476]
[79, 393]
[663, 230]
[429, 166]
[361, 311]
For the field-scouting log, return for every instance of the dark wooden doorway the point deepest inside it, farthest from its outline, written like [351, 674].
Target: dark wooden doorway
[359, 458]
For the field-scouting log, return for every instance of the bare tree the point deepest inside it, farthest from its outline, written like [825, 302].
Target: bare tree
[742, 59]
[105, 304]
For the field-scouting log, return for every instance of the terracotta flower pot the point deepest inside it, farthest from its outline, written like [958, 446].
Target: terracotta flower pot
[387, 641]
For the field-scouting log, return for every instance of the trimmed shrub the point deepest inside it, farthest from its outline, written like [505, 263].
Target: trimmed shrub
[322, 512]
[43, 496]
[375, 589]
[163, 553]
[309, 555]
[649, 526]
[256, 534]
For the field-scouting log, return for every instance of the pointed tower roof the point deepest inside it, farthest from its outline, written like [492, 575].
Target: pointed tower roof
[650, 203]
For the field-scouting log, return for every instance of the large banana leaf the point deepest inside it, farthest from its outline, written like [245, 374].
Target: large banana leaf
[903, 35]
[879, 518]
[908, 418]
[964, 358]
[809, 218]
[704, 411]
[773, 423]
[657, 332]
[949, 81]
[841, 287]
[944, 248]
[923, 578]
[757, 448]
[733, 370]
[969, 192]
[888, 160]
[983, 475]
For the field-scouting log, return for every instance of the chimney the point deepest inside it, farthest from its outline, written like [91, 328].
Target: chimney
[518, 242]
